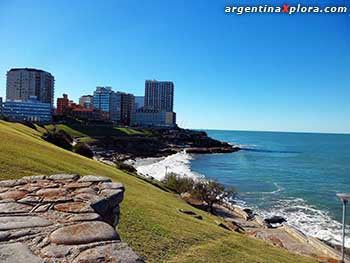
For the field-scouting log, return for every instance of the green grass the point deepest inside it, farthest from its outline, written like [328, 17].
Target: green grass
[90, 134]
[150, 221]
[81, 130]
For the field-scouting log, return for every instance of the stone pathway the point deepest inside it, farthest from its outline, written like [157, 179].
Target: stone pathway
[62, 218]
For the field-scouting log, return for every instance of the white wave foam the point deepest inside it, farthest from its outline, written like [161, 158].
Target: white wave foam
[308, 219]
[178, 163]
[298, 213]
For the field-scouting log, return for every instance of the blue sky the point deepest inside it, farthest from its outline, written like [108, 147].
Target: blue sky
[249, 72]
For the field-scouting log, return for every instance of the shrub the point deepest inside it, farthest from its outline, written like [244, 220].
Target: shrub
[211, 192]
[83, 149]
[59, 138]
[208, 191]
[125, 167]
[179, 184]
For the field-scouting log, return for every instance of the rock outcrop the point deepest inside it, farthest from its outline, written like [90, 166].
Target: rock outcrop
[61, 218]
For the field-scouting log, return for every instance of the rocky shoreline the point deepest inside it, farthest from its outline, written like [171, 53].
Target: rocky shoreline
[275, 230]
[160, 144]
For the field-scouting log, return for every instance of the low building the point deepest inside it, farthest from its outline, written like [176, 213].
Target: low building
[153, 118]
[86, 114]
[62, 105]
[31, 110]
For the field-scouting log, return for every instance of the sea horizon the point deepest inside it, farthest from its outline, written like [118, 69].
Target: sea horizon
[271, 131]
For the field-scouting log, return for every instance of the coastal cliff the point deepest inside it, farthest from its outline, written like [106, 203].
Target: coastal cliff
[160, 143]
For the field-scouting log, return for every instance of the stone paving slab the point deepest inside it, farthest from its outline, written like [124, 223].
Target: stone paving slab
[62, 218]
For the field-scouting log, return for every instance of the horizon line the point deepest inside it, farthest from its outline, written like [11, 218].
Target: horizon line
[274, 131]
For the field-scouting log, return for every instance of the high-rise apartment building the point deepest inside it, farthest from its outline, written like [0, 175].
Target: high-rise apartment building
[86, 101]
[102, 99]
[118, 105]
[122, 107]
[22, 83]
[159, 95]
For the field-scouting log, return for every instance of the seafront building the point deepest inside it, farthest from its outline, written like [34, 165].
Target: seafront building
[122, 107]
[86, 101]
[22, 83]
[139, 102]
[118, 106]
[29, 110]
[154, 118]
[62, 105]
[157, 107]
[102, 99]
[159, 95]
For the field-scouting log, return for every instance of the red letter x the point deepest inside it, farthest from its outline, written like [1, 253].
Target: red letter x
[285, 9]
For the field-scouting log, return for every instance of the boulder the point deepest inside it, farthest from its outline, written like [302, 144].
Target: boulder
[83, 233]
[111, 253]
[94, 178]
[64, 177]
[17, 253]
[13, 208]
[15, 222]
[74, 207]
[275, 220]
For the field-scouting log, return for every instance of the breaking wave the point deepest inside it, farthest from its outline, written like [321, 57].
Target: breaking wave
[178, 163]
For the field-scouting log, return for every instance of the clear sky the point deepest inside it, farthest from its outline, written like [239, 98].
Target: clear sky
[249, 72]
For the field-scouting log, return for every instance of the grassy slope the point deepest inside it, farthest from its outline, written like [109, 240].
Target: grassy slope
[150, 221]
[78, 130]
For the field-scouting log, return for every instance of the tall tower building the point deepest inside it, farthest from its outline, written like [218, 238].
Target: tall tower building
[22, 83]
[122, 107]
[159, 95]
[102, 99]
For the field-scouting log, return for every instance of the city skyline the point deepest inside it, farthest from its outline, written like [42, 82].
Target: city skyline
[251, 72]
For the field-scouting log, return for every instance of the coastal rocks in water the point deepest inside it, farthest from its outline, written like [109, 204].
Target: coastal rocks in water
[249, 212]
[275, 220]
[61, 218]
[207, 150]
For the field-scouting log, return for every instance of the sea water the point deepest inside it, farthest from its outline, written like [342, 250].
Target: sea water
[294, 175]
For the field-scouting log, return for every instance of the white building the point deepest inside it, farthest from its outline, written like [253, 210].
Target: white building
[153, 118]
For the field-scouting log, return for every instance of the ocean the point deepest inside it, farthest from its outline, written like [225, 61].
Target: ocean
[294, 175]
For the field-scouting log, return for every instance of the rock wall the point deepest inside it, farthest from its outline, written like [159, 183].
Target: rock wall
[61, 218]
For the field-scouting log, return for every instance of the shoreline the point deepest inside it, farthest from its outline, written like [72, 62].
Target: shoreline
[289, 231]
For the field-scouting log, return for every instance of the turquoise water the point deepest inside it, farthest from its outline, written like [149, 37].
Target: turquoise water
[296, 175]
